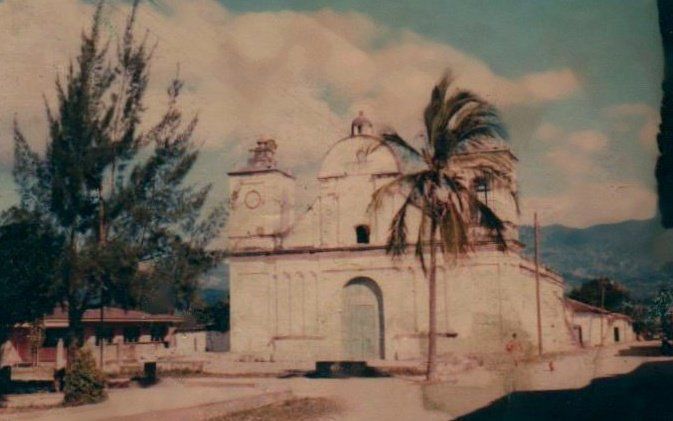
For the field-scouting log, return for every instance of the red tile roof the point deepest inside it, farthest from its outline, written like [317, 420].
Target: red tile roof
[113, 314]
[580, 307]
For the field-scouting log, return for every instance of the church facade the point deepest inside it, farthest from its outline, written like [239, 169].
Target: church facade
[320, 286]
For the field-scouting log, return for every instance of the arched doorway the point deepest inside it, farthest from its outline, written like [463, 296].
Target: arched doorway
[362, 320]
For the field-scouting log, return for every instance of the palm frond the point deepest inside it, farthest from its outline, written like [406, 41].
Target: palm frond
[496, 165]
[515, 197]
[453, 232]
[492, 222]
[478, 119]
[460, 100]
[421, 239]
[397, 238]
[412, 180]
[396, 140]
[436, 104]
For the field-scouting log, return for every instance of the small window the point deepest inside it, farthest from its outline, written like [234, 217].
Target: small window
[131, 334]
[158, 333]
[105, 334]
[616, 333]
[362, 234]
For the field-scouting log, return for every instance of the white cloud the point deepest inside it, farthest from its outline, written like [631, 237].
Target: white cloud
[647, 119]
[588, 195]
[551, 85]
[588, 140]
[576, 153]
[277, 73]
[548, 132]
[589, 203]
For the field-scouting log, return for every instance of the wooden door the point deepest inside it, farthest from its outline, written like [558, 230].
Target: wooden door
[362, 330]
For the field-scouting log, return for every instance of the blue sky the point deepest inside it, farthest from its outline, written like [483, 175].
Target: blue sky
[577, 82]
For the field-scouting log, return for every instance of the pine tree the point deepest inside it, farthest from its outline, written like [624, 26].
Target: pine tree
[28, 279]
[116, 194]
[84, 382]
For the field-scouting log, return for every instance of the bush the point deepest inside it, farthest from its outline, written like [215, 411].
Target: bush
[84, 382]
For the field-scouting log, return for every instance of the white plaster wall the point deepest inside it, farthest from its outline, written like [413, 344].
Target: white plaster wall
[187, 343]
[289, 306]
[250, 227]
[591, 328]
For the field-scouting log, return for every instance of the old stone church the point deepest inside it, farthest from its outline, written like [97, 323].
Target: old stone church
[319, 285]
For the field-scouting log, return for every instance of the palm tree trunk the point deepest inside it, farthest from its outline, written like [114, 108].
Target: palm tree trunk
[432, 308]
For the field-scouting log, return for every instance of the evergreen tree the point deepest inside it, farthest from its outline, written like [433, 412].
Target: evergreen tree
[603, 293]
[116, 194]
[84, 382]
[28, 279]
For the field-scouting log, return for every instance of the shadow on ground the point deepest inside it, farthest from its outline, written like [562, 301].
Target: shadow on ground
[22, 387]
[338, 370]
[643, 394]
[641, 351]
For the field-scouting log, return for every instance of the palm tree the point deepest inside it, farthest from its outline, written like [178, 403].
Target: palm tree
[446, 202]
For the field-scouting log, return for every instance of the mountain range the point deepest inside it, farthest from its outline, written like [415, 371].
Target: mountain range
[636, 253]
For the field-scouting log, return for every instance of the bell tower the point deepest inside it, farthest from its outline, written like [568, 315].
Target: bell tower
[262, 200]
[489, 169]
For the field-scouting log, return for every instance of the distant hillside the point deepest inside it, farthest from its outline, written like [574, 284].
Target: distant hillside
[634, 253]
[215, 284]
[212, 296]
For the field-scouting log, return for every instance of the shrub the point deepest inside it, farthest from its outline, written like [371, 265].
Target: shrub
[84, 382]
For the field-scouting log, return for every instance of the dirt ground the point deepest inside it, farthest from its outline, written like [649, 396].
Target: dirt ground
[484, 390]
[364, 399]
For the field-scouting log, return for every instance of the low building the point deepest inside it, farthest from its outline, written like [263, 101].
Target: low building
[594, 326]
[126, 336]
[191, 339]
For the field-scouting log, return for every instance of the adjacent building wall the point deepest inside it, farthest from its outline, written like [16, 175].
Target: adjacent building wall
[599, 328]
[190, 342]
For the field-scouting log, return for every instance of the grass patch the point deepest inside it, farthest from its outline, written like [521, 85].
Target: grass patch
[302, 409]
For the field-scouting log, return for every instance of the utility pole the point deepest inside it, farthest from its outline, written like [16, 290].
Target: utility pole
[602, 282]
[101, 338]
[537, 285]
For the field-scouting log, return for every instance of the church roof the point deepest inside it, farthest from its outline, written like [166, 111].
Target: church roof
[580, 307]
[359, 155]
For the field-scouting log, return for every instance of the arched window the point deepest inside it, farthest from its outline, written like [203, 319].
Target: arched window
[362, 234]
[482, 187]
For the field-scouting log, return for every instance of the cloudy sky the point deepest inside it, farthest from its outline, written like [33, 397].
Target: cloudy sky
[577, 82]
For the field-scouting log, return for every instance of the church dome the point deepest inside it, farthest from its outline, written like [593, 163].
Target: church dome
[359, 155]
